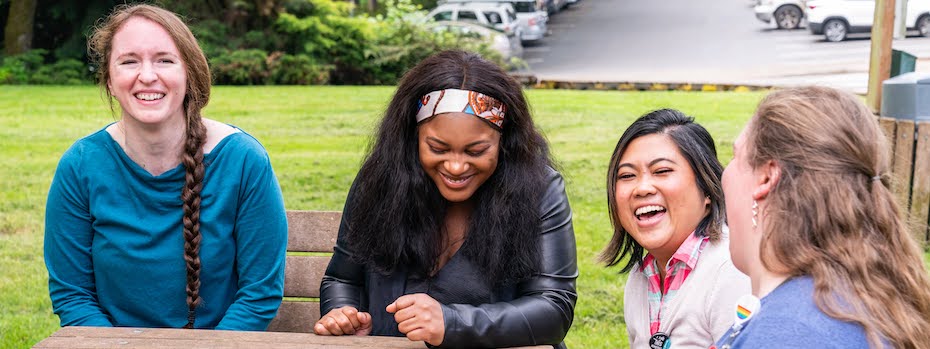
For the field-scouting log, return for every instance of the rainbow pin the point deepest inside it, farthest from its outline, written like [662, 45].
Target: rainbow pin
[747, 306]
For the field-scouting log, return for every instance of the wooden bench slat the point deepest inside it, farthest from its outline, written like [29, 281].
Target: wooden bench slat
[303, 274]
[920, 190]
[312, 231]
[308, 231]
[295, 317]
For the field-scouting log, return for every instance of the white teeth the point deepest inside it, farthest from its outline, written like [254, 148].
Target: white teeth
[450, 179]
[150, 96]
[648, 209]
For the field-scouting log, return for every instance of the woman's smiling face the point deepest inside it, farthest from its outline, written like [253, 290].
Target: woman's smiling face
[147, 75]
[657, 196]
[459, 152]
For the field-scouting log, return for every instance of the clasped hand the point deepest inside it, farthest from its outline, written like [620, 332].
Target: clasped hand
[418, 316]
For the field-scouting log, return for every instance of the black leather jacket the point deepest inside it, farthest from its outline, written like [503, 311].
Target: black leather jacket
[536, 311]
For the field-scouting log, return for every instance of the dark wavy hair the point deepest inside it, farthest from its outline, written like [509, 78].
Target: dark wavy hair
[397, 211]
[697, 146]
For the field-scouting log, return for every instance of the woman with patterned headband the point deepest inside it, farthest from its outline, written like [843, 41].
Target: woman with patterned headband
[457, 230]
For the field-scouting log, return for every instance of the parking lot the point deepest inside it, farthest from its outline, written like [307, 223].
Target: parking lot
[684, 41]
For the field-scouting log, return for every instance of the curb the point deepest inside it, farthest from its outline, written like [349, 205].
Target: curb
[530, 81]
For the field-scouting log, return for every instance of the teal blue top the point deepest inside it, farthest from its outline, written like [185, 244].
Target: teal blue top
[114, 244]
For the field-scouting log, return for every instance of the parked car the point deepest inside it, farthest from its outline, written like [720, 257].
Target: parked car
[531, 16]
[508, 46]
[835, 19]
[788, 14]
[499, 15]
[554, 6]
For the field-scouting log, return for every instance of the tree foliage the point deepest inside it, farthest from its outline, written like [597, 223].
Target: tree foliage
[254, 42]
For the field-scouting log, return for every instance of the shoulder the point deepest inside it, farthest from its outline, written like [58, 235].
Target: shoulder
[554, 183]
[554, 201]
[790, 315]
[715, 263]
[721, 281]
[235, 143]
[88, 147]
[636, 285]
[716, 256]
[217, 132]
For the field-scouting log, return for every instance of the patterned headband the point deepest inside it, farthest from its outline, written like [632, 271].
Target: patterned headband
[463, 101]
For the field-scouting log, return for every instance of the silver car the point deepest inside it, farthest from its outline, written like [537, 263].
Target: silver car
[531, 15]
[507, 45]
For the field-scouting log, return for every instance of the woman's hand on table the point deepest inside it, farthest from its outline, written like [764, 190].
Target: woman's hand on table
[344, 320]
[419, 317]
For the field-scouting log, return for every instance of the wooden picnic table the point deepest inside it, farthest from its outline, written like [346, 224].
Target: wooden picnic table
[130, 337]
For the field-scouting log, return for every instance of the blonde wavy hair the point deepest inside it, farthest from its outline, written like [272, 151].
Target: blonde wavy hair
[832, 216]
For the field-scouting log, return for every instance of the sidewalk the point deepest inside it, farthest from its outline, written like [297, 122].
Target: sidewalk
[851, 76]
[856, 81]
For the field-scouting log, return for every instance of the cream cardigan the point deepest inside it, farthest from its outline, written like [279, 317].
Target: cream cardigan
[701, 311]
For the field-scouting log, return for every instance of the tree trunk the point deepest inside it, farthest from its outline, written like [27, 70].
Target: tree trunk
[372, 6]
[18, 32]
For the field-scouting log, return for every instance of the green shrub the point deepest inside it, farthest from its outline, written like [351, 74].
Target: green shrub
[18, 69]
[240, 67]
[297, 70]
[213, 38]
[369, 50]
[64, 72]
[31, 68]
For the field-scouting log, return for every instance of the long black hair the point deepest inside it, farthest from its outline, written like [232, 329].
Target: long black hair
[697, 146]
[397, 212]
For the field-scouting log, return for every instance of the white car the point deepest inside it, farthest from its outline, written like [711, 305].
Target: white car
[508, 46]
[499, 15]
[531, 16]
[836, 19]
[788, 14]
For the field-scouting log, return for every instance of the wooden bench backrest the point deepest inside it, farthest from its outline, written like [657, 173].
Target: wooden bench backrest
[313, 232]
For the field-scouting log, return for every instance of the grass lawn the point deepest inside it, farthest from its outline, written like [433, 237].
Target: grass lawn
[316, 137]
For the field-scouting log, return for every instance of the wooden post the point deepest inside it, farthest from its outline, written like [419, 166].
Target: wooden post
[920, 190]
[889, 127]
[880, 60]
[903, 164]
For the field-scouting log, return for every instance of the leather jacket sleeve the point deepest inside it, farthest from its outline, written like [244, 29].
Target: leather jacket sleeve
[543, 309]
[344, 280]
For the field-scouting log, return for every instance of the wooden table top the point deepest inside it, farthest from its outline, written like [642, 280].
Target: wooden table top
[129, 337]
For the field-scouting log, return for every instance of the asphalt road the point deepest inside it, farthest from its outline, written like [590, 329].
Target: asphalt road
[710, 41]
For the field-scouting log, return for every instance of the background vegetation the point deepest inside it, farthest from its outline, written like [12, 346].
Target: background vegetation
[258, 42]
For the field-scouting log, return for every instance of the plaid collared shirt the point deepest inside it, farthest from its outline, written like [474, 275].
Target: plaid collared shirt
[679, 266]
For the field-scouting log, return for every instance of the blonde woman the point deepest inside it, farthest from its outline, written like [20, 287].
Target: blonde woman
[816, 228]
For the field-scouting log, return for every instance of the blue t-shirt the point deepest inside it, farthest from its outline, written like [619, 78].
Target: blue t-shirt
[789, 318]
[114, 244]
